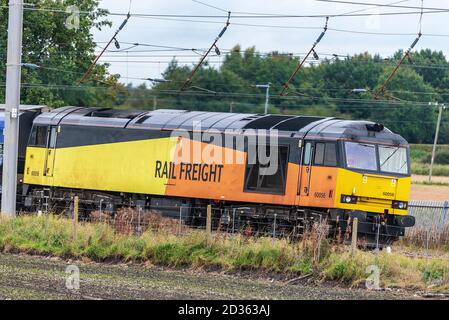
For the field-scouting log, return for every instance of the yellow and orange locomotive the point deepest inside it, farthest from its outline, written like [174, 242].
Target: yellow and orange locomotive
[326, 168]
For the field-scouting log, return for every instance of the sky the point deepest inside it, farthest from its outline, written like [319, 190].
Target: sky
[133, 65]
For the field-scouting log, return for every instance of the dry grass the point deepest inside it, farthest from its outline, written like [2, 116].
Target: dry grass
[435, 237]
[129, 221]
[396, 270]
[157, 244]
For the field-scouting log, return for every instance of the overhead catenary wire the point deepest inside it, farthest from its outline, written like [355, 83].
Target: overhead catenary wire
[372, 4]
[295, 27]
[324, 89]
[210, 6]
[312, 50]
[272, 53]
[247, 16]
[271, 26]
[314, 62]
[174, 57]
[239, 94]
[417, 66]
[289, 97]
[199, 103]
[228, 85]
[214, 45]
[139, 44]
[330, 29]
[375, 6]
[406, 55]
[114, 38]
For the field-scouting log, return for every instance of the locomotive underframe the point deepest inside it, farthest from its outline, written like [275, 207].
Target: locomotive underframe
[248, 218]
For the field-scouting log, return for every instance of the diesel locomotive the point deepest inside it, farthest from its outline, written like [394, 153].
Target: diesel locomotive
[329, 169]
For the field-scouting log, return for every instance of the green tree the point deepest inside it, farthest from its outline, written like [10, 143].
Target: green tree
[433, 67]
[414, 121]
[340, 77]
[63, 55]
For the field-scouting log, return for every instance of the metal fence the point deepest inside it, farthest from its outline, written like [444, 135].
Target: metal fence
[430, 214]
[432, 222]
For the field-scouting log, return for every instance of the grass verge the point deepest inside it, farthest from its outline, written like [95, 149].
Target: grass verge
[433, 183]
[100, 242]
[423, 169]
[420, 160]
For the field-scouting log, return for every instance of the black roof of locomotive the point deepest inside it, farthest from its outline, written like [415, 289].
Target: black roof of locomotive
[172, 119]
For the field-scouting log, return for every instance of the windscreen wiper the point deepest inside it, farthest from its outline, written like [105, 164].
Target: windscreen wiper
[389, 157]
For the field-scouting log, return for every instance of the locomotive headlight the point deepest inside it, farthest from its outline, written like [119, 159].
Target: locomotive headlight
[348, 199]
[402, 205]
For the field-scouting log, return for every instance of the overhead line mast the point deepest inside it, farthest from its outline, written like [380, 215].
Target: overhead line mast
[12, 108]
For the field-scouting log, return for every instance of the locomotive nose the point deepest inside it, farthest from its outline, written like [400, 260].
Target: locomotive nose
[376, 186]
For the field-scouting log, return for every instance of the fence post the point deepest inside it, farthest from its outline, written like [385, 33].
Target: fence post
[444, 212]
[274, 225]
[101, 207]
[75, 216]
[377, 236]
[209, 221]
[180, 221]
[139, 220]
[233, 220]
[427, 257]
[355, 228]
[46, 197]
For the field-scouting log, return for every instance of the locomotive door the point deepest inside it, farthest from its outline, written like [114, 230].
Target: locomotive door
[50, 152]
[318, 172]
[305, 171]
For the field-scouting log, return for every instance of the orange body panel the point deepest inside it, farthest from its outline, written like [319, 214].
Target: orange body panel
[323, 183]
[228, 181]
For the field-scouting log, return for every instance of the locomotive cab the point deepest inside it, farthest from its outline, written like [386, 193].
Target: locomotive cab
[368, 168]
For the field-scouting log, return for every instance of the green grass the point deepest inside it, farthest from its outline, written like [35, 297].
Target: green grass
[428, 147]
[99, 242]
[420, 155]
[395, 270]
[423, 169]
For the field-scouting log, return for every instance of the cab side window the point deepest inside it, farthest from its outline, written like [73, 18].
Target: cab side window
[330, 155]
[319, 153]
[53, 135]
[307, 153]
[257, 181]
[325, 154]
[39, 136]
